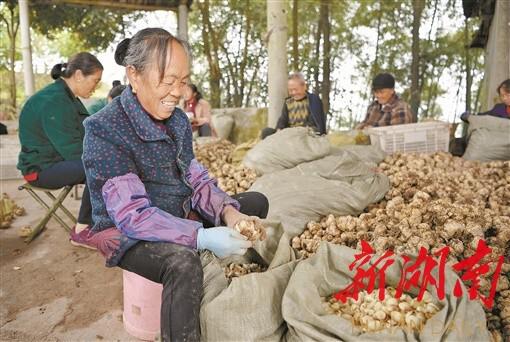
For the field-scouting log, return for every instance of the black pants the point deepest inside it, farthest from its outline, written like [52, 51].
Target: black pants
[205, 130]
[267, 132]
[179, 269]
[3, 129]
[67, 173]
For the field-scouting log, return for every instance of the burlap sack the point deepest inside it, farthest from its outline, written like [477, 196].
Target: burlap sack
[341, 185]
[342, 138]
[286, 149]
[249, 308]
[367, 153]
[223, 125]
[242, 149]
[205, 140]
[325, 273]
[488, 138]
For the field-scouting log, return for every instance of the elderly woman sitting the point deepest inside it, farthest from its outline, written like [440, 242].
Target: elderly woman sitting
[146, 185]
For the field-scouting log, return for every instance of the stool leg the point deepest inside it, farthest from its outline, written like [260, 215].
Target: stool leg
[40, 226]
[54, 214]
[56, 217]
[76, 195]
[64, 209]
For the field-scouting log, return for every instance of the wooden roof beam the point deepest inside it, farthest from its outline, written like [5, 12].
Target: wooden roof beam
[113, 4]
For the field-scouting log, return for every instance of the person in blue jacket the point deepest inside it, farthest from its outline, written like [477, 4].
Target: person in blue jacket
[300, 109]
[154, 205]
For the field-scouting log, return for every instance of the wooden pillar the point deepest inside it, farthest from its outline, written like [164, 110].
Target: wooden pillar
[26, 49]
[182, 20]
[497, 54]
[277, 58]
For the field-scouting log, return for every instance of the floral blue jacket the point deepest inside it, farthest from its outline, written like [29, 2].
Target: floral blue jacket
[143, 180]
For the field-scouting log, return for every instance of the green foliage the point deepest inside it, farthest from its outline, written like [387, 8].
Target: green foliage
[236, 41]
[67, 43]
[85, 27]
[5, 41]
[368, 36]
[59, 30]
[442, 48]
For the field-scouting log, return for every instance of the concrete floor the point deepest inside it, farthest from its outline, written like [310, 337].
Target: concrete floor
[51, 290]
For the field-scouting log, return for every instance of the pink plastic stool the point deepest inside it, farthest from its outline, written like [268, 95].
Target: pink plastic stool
[142, 306]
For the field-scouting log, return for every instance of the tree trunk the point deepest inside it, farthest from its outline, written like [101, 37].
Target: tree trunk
[326, 69]
[476, 107]
[418, 6]
[295, 36]
[433, 93]
[253, 79]
[469, 76]
[234, 100]
[375, 65]
[317, 63]
[375, 69]
[277, 59]
[244, 61]
[12, 73]
[426, 112]
[209, 39]
[12, 25]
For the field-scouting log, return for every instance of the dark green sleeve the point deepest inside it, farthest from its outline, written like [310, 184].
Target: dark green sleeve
[97, 106]
[61, 124]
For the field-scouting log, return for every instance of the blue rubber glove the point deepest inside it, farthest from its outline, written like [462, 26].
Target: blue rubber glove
[222, 241]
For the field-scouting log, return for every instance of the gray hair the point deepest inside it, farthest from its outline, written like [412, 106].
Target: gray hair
[297, 76]
[146, 44]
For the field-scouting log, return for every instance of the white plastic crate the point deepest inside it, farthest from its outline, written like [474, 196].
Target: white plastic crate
[424, 137]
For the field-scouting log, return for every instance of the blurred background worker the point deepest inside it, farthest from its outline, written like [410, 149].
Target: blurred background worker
[300, 109]
[199, 111]
[51, 129]
[387, 108]
[101, 103]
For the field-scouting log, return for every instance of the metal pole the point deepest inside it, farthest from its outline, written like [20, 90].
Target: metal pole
[26, 49]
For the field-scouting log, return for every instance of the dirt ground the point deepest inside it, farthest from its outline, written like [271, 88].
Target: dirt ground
[60, 292]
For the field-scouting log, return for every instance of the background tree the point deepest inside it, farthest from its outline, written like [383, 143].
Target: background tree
[9, 29]
[418, 6]
[231, 45]
[94, 28]
[326, 51]
[338, 45]
[67, 29]
[420, 53]
[295, 35]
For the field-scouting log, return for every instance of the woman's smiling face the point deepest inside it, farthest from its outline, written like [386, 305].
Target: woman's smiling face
[159, 97]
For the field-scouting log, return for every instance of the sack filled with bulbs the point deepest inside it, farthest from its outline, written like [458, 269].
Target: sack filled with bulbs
[311, 311]
[242, 294]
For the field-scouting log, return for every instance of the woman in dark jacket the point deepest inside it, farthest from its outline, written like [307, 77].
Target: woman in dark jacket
[151, 198]
[502, 109]
[51, 130]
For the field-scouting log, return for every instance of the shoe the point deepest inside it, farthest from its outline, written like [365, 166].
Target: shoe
[83, 238]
